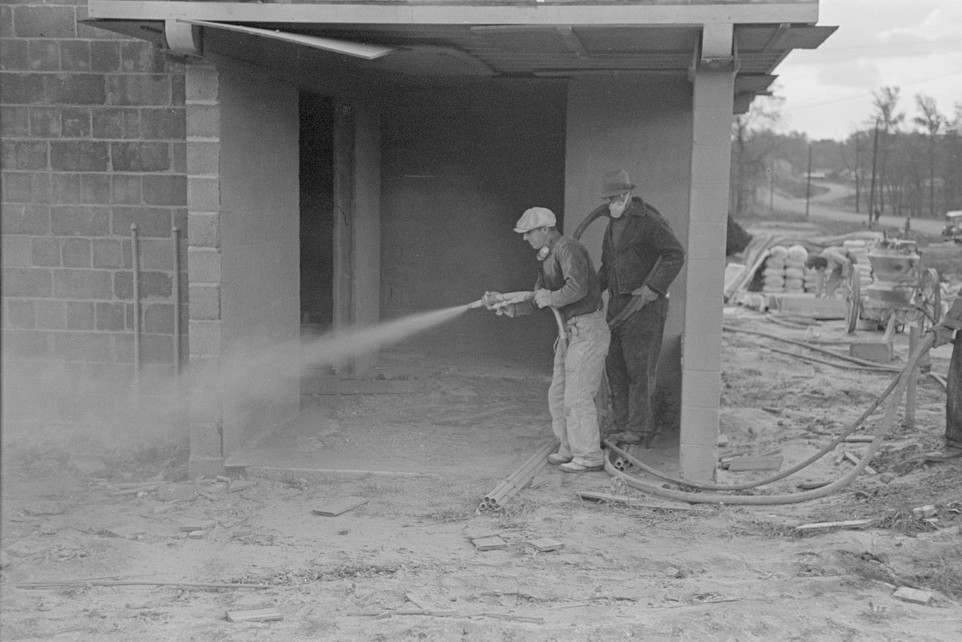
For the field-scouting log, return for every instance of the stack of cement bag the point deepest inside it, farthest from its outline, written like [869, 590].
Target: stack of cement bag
[795, 269]
[784, 271]
[773, 276]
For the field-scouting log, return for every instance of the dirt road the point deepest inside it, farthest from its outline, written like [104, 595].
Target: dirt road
[825, 207]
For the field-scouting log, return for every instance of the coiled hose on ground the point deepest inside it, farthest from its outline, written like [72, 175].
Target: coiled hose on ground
[897, 386]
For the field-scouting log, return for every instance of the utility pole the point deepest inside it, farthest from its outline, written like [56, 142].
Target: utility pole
[771, 189]
[858, 175]
[871, 189]
[808, 183]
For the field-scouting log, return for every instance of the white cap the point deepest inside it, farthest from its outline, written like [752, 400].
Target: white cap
[534, 218]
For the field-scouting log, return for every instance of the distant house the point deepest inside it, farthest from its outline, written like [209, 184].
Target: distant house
[343, 163]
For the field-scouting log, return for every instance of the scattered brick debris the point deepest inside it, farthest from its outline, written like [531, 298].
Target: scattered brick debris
[489, 543]
[545, 544]
[240, 484]
[913, 595]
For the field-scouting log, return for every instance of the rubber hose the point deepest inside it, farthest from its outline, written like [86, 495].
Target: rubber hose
[592, 216]
[781, 475]
[562, 333]
[861, 362]
[760, 500]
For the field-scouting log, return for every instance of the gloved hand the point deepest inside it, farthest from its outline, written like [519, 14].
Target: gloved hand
[646, 293]
[492, 299]
[943, 334]
[542, 298]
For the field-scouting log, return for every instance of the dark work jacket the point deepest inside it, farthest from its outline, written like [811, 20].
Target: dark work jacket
[953, 318]
[648, 253]
[568, 273]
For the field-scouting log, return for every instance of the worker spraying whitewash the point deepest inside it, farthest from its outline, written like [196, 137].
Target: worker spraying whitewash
[568, 283]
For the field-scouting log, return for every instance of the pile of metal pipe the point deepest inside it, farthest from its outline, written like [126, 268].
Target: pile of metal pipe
[510, 485]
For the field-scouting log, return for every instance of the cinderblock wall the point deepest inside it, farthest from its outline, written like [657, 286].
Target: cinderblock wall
[93, 134]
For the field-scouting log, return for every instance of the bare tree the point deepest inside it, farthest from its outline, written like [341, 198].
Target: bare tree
[952, 163]
[932, 121]
[751, 147]
[853, 155]
[886, 120]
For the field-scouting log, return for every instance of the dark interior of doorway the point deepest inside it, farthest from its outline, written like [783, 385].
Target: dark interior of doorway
[317, 210]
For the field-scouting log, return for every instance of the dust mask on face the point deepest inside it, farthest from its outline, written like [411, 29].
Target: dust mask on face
[617, 208]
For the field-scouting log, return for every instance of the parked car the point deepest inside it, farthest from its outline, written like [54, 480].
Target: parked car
[953, 226]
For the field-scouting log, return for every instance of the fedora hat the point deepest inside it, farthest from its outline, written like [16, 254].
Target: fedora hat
[616, 182]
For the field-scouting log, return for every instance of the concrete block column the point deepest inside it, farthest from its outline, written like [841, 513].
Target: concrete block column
[366, 257]
[204, 267]
[701, 339]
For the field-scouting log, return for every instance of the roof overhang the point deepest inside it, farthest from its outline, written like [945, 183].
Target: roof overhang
[537, 38]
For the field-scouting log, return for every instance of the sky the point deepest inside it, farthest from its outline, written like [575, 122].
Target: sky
[912, 44]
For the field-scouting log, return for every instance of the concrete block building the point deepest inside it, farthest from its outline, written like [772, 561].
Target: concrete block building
[183, 179]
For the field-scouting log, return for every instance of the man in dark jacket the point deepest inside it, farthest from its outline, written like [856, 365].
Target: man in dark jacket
[640, 257]
[949, 330]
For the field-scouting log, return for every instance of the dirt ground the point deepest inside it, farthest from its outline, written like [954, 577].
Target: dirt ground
[90, 555]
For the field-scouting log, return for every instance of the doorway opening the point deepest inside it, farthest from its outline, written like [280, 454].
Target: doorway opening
[317, 211]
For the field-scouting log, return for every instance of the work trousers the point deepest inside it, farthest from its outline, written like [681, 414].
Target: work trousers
[632, 364]
[953, 399]
[571, 398]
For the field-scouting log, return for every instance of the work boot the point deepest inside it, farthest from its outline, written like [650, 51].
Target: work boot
[947, 453]
[558, 458]
[576, 467]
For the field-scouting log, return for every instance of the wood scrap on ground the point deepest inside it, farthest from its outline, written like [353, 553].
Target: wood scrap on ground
[824, 526]
[859, 439]
[856, 461]
[336, 507]
[913, 595]
[380, 615]
[117, 582]
[514, 618]
[742, 464]
[634, 501]
[255, 615]
[812, 485]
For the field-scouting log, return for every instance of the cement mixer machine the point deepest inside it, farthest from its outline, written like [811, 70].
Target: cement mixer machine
[900, 290]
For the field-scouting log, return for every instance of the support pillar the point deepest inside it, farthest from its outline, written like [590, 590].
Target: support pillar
[357, 225]
[713, 77]
[366, 269]
[204, 268]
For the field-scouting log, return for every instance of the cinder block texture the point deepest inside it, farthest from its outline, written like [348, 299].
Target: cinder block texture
[94, 140]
